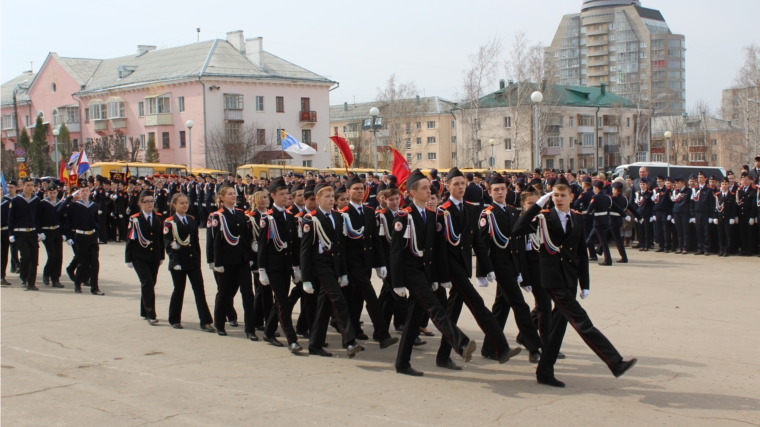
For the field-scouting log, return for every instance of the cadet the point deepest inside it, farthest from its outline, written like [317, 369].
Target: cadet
[52, 237]
[601, 206]
[725, 213]
[82, 232]
[4, 236]
[645, 209]
[681, 198]
[663, 206]
[703, 208]
[25, 233]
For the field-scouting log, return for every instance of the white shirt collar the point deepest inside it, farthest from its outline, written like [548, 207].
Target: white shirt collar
[421, 210]
[147, 215]
[324, 211]
[181, 218]
[278, 208]
[455, 201]
[504, 207]
[357, 207]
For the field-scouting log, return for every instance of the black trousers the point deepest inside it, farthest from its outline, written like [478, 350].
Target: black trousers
[308, 307]
[462, 292]
[614, 230]
[330, 301]
[422, 299]
[54, 247]
[662, 225]
[121, 228]
[103, 230]
[682, 228]
[6, 246]
[509, 294]
[703, 236]
[279, 283]
[147, 272]
[202, 213]
[600, 234]
[364, 292]
[179, 278]
[746, 236]
[392, 305]
[14, 256]
[236, 276]
[567, 309]
[735, 240]
[645, 232]
[725, 230]
[262, 304]
[29, 250]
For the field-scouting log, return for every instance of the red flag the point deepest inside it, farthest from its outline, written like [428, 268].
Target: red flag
[62, 175]
[127, 175]
[345, 150]
[400, 169]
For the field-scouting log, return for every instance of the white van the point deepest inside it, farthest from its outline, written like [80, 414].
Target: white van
[661, 168]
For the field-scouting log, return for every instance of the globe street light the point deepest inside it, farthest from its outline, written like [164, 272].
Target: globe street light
[189, 125]
[667, 148]
[374, 112]
[537, 97]
[57, 132]
[492, 160]
[353, 164]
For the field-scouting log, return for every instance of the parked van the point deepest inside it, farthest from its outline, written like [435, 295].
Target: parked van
[661, 168]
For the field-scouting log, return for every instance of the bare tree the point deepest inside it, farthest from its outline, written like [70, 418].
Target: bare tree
[230, 146]
[745, 105]
[110, 148]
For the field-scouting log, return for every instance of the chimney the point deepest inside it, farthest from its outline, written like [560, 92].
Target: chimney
[142, 49]
[501, 84]
[418, 100]
[604, 89]
[254, 48]
[345, 106]
[235, 38]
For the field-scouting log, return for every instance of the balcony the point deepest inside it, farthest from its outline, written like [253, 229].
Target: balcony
[158, 119]
[585, 129]
[307, 116]
[597, 73]
[233, 115]
[551, 151]
[352, 134]
[100, 125]
[590, 32]
[591, 43]
[586, 150]
[72, 127]
[119, 123]
[610, 129]
[593, 53]
[552, 129]
[611, 148]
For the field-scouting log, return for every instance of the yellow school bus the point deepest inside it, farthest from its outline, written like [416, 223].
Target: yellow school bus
[272, 171]
[136, 169]
[207, 171]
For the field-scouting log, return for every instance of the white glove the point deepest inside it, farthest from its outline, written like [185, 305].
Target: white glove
[100, 212]
[177, 267]
[250, 263]
[709, 220]
[130, 265]
[12, 239]
[308, 287]
[491, 276]
[75, 194]
[545, 198]
[220, 269]
[519, 278]
[715, 221]
[584, 293]
[41, 237]
[160, 263]
[296, 274]
[121, 216]
[70, 242]
[736, 220]
[435, 286]
[670, 217]
[382, 272]
[482, 282]
[114, 197]
[692, 221]
[652, 219]
[673, 220]
[731, 221]
[628, 218]
[527, 289]
[752, 221]
[343, 282]
[400, 292]
[263, 277]
[211, 265]
[446, 285]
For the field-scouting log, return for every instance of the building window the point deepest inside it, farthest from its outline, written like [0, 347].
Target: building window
[453, 154]
[419, 156]
[182, 142]
[550, 163]
[572, 163]
[431, 125]
[306, 136]
[408, 144]
[233, 101]
[571, 121]
[280, 104]
[52, 87]
[164, 139]
[233, 131]
[160, 105]
[116, 110]
[586, 121]
[419, 141]
[508, 122]
[587, 140]
[508, 144]
[431, 139]
[453, 124]
[418, 125]
[408, 157]
[261, 137]
[556, 141]
[431, 156]
[507, 164]
[99, 112]
[260, 103]
[713, 142]
[140, 109]
[697, 157]
[305, 104]
[454, 139]
[307, 163]
[142, 142]
[477, 145]
[181, 104]
[562, 164]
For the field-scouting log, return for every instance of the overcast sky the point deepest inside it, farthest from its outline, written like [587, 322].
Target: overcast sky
[361, 44]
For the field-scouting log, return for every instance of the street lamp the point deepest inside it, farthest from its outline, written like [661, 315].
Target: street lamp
[374, 112]
[353, 164]
[492, 160]
[536, 97]
[667, 148]
[189, 125]
[57, 132]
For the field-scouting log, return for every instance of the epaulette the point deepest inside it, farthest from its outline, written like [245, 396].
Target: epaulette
[344, 210]
[299, 214]
[220, 210]
[169, 218]
[380, 211]
[312, 213]
[190, 216]
[446, 205]
[158, 213]
[136, 215]
[238, 209]
[269, 212]
[369, 207]
[402, 213]
[575, 212]
[470, 203]
[430, 209]
[545, 210]
[488, 208]
[407, 209]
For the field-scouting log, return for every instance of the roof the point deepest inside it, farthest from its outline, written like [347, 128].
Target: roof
[690, 124]
[427, 106]
[268, 156]
[6, 90]
[555, 95]
[79, 69]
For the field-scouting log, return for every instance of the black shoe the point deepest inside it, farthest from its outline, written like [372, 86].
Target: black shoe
[605, 263]
[319, 351]
[448, 364]
[561, 355]
[153, 321]
[699, 253]
[468, 349]
[96, 292]
[273, 341]
[428, 333]
[707, 254]
[57, 284]
[32, 288]
[622, 261]
[71, 275]
[550, 381]
[623, 366]
[221, 332]
[534, 357]
[418, 342]
[295, 347]
[234, 323]
[252, 336]
[77, 288]
[46, 280]
[177, 326]
[660, 250]
[362, 336]
[489, 355]
[510, 354]
[208, 328]
[5, 283]
[409, 371]
[352, 349]
[593, 259]
[388, 342]
[276, 334]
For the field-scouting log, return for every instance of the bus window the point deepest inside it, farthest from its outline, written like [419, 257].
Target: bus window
[95, 170]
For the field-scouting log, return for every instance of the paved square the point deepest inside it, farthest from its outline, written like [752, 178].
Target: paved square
[82, 360]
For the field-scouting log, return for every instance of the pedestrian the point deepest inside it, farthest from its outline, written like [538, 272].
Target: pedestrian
[145, 252]
[262, 303]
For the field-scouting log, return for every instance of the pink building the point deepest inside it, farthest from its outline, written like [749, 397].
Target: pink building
[231, 89]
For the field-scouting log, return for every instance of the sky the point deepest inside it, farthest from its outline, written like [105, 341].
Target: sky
[361, 44]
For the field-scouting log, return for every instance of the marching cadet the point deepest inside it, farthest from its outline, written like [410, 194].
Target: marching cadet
[278, 255]
[663, 207]
[645, 209]
[240, 193]
[458, 223]
[52, 237]
[325, 272]
[184, 251]
[564, 265]
[391, 304]
[5, 205]
[617, 220]
[161, 196]
[419, 265]
[496, 233]
[82, 232]
[364, 253]
[120, 202]
[601, 206]
[681, 199]
[200, 190]
[308, 302]
[372, 186]
[262, 303]
[102, 197]
[581, 204]
[703, 210]
[725, 212]
[25, 233]
[747, 210]
[145, 252]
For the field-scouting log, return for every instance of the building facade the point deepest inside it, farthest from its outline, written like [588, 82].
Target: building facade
[628, 47]
[741, 107]
[237, 95]
[423, 129]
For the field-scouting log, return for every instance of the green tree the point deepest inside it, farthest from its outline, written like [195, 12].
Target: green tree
[151, 154]
[24, 142]
[39, 156]
[64, 143]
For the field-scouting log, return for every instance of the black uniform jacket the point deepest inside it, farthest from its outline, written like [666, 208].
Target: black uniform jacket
[223, 228]
[465, 226]
[405, 265]
[145, 241]
[287, 232]
[184, 248]
[365, 250]
[316, 258]
[501, 259]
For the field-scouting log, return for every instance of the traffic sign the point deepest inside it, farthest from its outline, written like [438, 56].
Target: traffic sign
[491, 161]
[20, 159]
[20, 152]
[22, 170]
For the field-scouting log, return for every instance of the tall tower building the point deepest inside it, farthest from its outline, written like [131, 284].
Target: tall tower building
[628, 47]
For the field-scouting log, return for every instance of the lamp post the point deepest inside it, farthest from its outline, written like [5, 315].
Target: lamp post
[189, 125]
[492, 160]
[536, 97]
[353, 164]
[374, 112]
[747, 126]
[57, 132]
[667, 148]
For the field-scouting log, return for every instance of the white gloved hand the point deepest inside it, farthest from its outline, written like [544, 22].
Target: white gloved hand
[296, 274]
[400, 292]
[263, 277]
[527, 289]
[752, 221]
[519, 278]
[482, 282]
[41, 237]
[709, 220]
[628, 218]
[70, 242]
[715, 221]
[211, 265]
[12, 239]
[177, 267]
[491, 277]
[382, 272]
[121, 216]
[692, 220]
[343, 282]
[670, 217]
[545, 198]
[308, 287]
[673, 220]
[250, 263]
[160, 263]
[446, 285]
[731, 221]
[435, 286]
[220, 269]
[584, 293]
[100, 212]
[76, 193]
[114, 197]
[652, 219]
[130, 265]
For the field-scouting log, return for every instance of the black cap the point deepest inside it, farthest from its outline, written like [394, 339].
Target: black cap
[417, 175]
[27, 179]
[146, 193]
[551, 181]
[296, 187]
[587, 179]
[276, 183]
[340, 190]
[318, 187]
[497, 179]
[354, 180]
[726, 180]
[713, 178]
[702, 173]
[617, 184]
[661, 176]
[599, 184]
[453, 173]
[535, 181]
[562, 180]
[680, 179]
[434, 173]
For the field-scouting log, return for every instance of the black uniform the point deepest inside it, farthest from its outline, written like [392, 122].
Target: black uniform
[82, 230]
[725, 213]
[263, 300]
[392, 305]
[103, 199]
[23, 226]
[4, 234]
[703, 208]
[645, 209]
[663, 208]
[681, 199]
[50, 226]
[746, 211]
[145, 250]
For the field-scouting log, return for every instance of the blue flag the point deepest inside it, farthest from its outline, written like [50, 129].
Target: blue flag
[2, 182]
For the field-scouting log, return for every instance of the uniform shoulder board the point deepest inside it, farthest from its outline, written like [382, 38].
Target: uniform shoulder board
[169, 219]
[430, 209]
[371, 209]
[380, 211]
[402, 213]
[446, 205]
[344, 210]
[238, 209]
[545, 210]
[312, 213]
[136, 215]
[269, 212]
[592, 201]
[575, 212]
[299, 214]
[488, 208]
[407, 209]
[220, 210]
[334, 211]
[191, 217]
[158, 213]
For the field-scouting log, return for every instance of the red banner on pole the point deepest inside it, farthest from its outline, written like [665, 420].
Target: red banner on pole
[345, 150]
[400, 169]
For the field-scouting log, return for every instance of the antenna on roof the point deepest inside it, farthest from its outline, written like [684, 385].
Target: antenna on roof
[199, 33]
[31, 66]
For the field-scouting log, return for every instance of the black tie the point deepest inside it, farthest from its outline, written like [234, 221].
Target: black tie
[184, 220]
[150, 219]
[361, 211]
[569, 225]
[459, 205]
[424, 217]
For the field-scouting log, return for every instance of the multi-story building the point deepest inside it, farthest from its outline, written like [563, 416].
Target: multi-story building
[741, 107]
[628, 47]
[237, 95]
[578, 128]
[423, 129]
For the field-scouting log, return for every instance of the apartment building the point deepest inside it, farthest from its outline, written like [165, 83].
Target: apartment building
[422, 128]
[628, 47]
